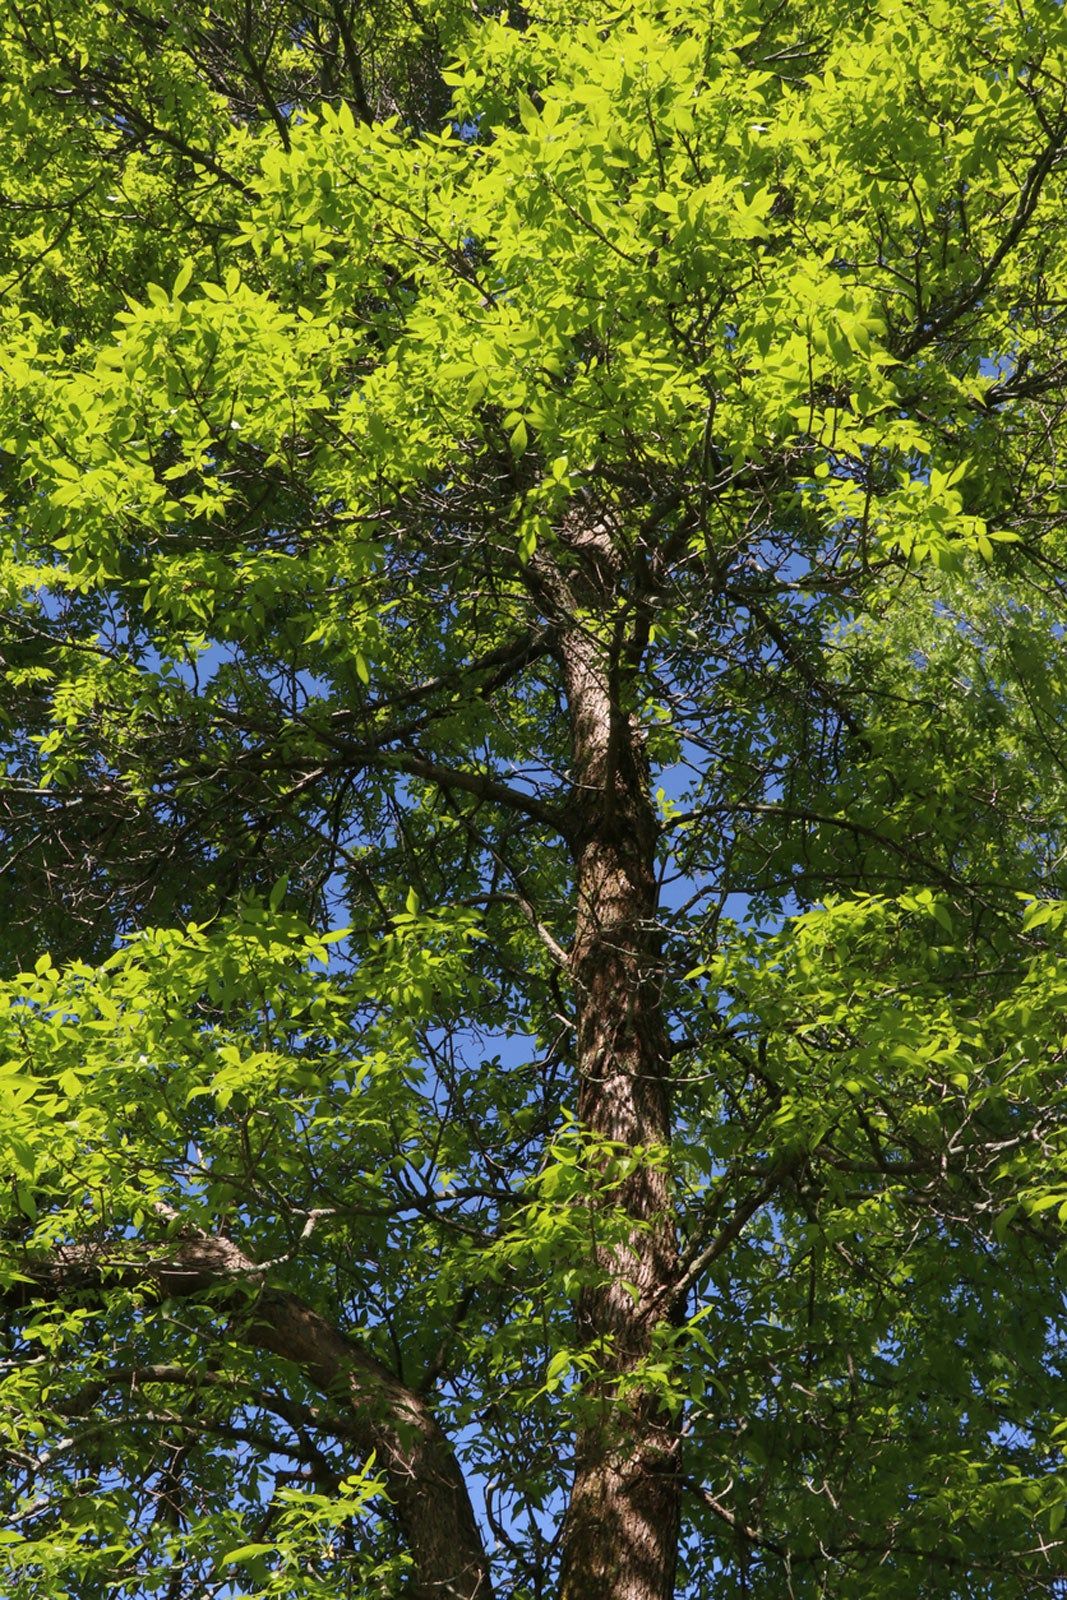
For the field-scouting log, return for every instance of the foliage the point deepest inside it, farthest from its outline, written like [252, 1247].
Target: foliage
[338, 347]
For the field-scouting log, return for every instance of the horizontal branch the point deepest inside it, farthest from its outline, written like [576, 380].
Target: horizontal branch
[478, 784]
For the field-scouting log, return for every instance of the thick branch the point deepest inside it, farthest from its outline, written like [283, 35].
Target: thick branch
[384, 1415]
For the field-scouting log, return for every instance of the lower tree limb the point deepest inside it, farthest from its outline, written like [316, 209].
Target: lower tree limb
[424, 1479]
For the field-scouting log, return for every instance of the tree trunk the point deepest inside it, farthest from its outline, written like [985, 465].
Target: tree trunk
[424, 1479]
[621, 1532]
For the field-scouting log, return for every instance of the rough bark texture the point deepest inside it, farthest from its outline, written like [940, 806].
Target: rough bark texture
[425, 1482]
[621, 1532]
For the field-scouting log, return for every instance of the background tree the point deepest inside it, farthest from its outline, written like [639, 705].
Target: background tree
[571, 503]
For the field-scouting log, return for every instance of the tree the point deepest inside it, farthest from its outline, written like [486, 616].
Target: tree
[571, 505]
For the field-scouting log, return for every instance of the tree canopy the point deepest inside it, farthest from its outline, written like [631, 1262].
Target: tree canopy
[533, 800]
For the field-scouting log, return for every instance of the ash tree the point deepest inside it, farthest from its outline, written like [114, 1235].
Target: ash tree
[533, 800]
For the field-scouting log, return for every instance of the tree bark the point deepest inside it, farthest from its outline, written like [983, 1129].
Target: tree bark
[424, 1479]
[620, 1537]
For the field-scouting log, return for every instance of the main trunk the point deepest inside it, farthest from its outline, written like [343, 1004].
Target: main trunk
[621, 1530]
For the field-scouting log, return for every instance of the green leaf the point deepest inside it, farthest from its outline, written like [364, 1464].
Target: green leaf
[183, 279]
[558, 1367]
[245, 1552]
